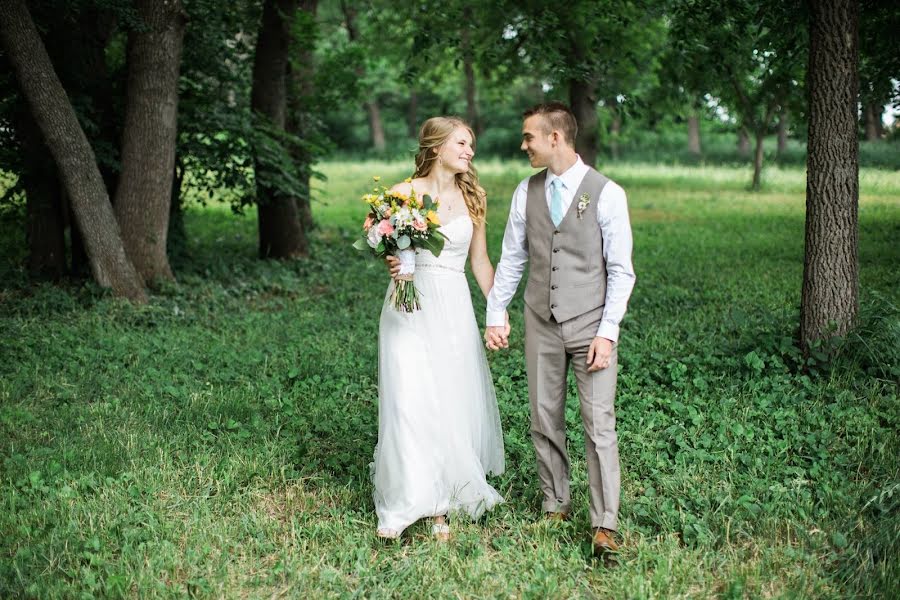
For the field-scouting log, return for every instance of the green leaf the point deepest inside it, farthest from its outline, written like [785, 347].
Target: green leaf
[427, 202]
[361, 244]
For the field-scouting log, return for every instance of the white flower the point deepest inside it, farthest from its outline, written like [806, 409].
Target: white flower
[373, 237]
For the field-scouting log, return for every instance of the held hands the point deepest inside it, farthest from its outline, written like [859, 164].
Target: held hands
[497, 337]
[598, 354]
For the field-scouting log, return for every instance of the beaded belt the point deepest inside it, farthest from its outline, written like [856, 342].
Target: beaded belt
[428, 266]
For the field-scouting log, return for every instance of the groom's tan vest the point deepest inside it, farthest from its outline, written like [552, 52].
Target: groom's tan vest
[567, 272]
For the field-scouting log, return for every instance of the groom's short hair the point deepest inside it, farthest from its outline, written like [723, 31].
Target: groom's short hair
[559, 116]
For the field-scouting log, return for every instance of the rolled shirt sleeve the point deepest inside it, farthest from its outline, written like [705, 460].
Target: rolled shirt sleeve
[612, 216]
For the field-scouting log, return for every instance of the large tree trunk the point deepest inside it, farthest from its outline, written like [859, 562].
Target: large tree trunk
[758, 160]
[148, 142]
[782, 132]
[694, 134]
[469, 73]
[583, 100]
[43, 203]
[830, 297]
[301, 81]
[70, 148]
[280, 232]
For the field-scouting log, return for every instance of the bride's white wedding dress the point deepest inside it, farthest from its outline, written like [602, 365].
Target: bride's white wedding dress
[438, 424]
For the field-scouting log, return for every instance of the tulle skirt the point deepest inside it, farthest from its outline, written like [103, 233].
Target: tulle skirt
[438, 425]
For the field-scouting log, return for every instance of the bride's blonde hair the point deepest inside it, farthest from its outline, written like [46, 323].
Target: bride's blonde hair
[433, 135]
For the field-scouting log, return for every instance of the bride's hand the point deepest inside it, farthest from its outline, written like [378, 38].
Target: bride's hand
[393, 265]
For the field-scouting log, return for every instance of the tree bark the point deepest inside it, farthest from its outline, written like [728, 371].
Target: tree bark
[469, 73]
[280, 232]
[144, 194]
[872, 121]
[412, 115]
[583, 100]
[301, 82]
[615, 127]
[782, 132]
[70, 148]
[376, 128]
[743, 144]
[830, 296]
[43, 203]
[694, 134]
[758, 160]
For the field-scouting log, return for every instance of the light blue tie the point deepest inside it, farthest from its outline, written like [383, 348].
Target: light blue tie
[556, 202]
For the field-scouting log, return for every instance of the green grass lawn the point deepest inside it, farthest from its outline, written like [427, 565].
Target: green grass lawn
[216, 442]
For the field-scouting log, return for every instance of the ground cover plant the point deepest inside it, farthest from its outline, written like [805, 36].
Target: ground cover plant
[216, 442]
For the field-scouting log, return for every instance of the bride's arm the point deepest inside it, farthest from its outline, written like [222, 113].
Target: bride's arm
[480, 261]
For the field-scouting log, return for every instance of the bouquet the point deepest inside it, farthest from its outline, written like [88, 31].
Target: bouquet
[398, 225]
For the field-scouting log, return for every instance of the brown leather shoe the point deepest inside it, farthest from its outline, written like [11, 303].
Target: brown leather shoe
[603, 542]
[556, 516]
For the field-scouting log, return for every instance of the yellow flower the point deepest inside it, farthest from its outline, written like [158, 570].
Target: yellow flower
[407, 180]
[432, 216]
[376, 178]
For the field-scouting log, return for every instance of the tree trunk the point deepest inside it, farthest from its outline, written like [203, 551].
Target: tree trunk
[70, 148]
[583, 101]
[301, 82]
[45, 226]
[615, 127]
[830, 297]
[176, 240]
[743, 144]
[694, 134]
[280, 232]
[758, 160]
[148, 141]
[412, 115]
[872, 120]
[376, 128]
[782, 132]
[469, 73]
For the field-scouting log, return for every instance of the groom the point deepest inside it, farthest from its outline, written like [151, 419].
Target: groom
[572, 223]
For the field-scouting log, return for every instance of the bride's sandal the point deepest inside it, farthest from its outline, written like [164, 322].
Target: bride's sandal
[387, 534]
[441, 531]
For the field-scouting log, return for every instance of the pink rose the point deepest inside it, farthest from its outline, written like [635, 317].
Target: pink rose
[385, 227]
[420, 225]
[369, 222]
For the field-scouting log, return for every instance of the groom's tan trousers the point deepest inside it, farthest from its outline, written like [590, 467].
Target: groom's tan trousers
[549, 348]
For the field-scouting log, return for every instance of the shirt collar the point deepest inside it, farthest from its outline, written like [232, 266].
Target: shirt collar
[571, 178]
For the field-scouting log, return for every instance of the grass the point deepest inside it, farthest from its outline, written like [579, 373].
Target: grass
[215, 443]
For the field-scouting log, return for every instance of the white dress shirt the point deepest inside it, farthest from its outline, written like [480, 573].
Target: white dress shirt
[612, 218]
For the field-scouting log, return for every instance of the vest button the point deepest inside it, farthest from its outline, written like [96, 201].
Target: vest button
[555, 250]
[555, 232]
[553, 287]
[555, 269]
[552, 306]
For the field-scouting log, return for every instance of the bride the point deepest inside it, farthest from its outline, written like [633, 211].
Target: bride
[438, 425]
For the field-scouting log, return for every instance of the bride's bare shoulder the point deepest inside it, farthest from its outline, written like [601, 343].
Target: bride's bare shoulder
[408, 185]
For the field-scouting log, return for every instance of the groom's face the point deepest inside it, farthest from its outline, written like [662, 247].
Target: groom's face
[537, 140]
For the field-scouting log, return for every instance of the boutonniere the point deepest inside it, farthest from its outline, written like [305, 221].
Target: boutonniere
[583, 201]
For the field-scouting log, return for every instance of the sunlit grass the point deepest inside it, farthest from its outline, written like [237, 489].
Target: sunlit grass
[215, 443]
